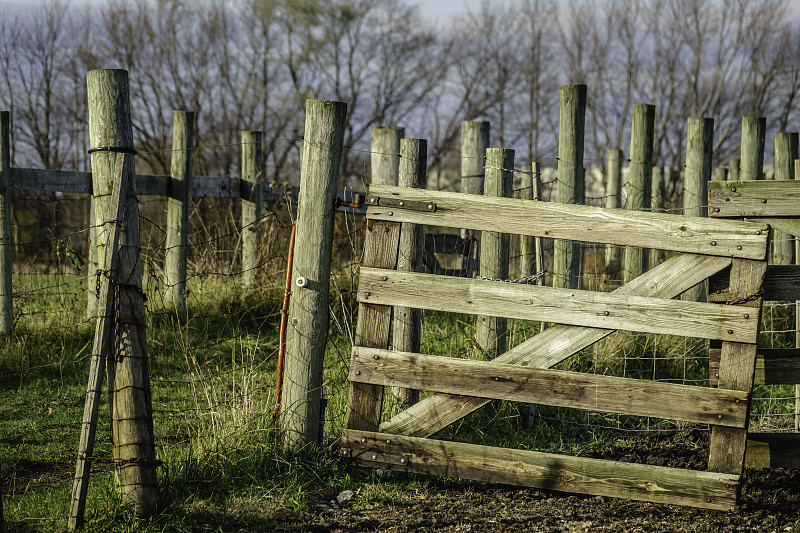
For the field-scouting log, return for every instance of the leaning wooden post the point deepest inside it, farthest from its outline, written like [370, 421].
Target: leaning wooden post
[385, 156]
[490, 330]
[526, 250]
[639, 181]
[251, 204]
[474, 141]
[6, 243]
[178, 210]
[407, 329]
[111, 139]
[754, 134]
[696, 175]
[657, 203]
[567, 254]
[308, 311]
[786, 144]
[613, 257]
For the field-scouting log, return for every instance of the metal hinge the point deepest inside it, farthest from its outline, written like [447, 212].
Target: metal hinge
[396, 203]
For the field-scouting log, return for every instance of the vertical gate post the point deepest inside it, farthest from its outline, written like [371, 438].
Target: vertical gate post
[719, 174]
[385, 159]
[733, 168]
[786, 146]
[572, 121]
[111, 138]
[6, 243]
[407, 329]
[251, 204]
[526, 250]
[639, 181]
[657, 204]
[178, 210]
[613, 201]
[491, 331]
[474, 142]
[754, 134]
[308, 311]
[697, 174]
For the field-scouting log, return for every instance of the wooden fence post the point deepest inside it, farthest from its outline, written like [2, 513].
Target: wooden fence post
[251, 205]
[526, 250]
[697, 174]
[384, 159]
[178, 210]
[6, 242]
[613, 257]
[754, 134]
[786, 151]
[572, 121]
[308, 311]
[474, 142]
[719, 174]
[110, 133]
[797, 314]
[733, 168]
[490, 330]
[407, 328]
[639, 181]
[657, 204]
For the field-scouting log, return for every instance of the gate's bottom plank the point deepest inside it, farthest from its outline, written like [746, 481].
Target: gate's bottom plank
[599, 477]
[772, 450]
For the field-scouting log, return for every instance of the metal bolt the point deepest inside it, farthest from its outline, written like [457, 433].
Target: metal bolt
[385, 278]
[606, 313]
[713, 243]
[301, 281]
[746, 315]
[730, 332]
[391, 213]
[403, 461]
[738, 247]
[366, 294]
[373, 200]
[402, 203]
[376, 357]
[388, 441]
[374, 457]
[430, 207]
[716, 375]
[358, 372]
[763, 200]
[737, 400]
[497, 379]
[295, 321]
[363, 440]
[733, 189]
[719, 416]
[716, 209]
[758, 232]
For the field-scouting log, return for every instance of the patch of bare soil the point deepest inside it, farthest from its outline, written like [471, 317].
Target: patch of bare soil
[770, 503]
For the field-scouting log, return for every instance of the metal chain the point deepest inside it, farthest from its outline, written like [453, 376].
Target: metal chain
[526, 279]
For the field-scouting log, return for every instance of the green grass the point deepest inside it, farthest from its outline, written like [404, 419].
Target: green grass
[213, 386]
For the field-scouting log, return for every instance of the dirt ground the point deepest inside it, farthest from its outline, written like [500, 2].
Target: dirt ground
[770, 503]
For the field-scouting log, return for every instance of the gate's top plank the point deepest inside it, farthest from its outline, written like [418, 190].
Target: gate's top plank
[561, 306]
[574, 222]
[761, 198]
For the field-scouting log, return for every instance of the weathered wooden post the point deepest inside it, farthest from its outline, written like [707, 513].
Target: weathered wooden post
[754, 134]
[526, 250]
[6, 243]
[786, 152]
[111, 139]
[657, 204]
[385, 156]
[251, 205]
[178, 210]
[491, 331]
[613, 257]
[697, 173]
[719, 174]
[639, 181]
[474, 142]
[308, 311]
[407, 328]
[567, 254]
[733, 167]
[797, 314]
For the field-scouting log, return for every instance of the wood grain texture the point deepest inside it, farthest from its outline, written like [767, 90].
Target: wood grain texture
[772, 450]
[773, 366]
[762, 198]
[781, 283]
[542, 470]
[500, 381]
[555, 344]
[753, 138]
[474, 141]
[175, 255]
[563, 221]
[34, 179]
[613, 257]
[639, 182]
[252, 177]
[372, 328]
[561, 306]
[385, 156]
[737, 367]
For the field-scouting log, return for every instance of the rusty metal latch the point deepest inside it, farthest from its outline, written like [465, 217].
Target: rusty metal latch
[358, 201]
[396, 203]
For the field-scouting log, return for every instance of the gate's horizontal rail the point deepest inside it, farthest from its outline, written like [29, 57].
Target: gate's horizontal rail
[555, 344]
[757, 198]
[560, 306]
[746, 240]
[561, 388]
[779, 366]
[542, 470]
[781, 283]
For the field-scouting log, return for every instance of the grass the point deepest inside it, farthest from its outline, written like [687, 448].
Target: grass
[213, 393]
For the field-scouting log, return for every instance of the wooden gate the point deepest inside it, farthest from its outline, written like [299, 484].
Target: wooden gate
[730, 250]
